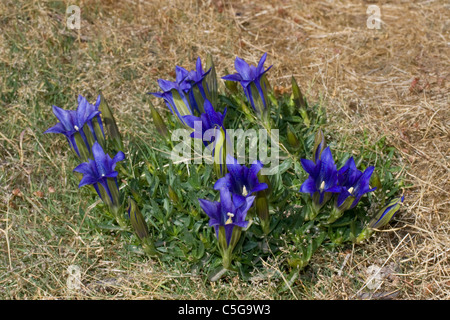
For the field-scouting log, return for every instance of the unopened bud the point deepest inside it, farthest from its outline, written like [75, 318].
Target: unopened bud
[137, 220]
[319, 145]
[386, 214]
[158, 121]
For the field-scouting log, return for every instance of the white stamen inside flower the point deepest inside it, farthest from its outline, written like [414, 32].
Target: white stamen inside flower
[244, 191]
[322, 186]
[103, 174]
[350, 190]
[230, 215]
[76, 128]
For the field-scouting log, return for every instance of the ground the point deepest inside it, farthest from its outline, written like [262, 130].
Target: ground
[393, 81]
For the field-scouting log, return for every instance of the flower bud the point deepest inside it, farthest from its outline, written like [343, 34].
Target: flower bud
[211, 80]
[99, 135]
[300, 102]
[158, 121]
[386, 214]
[173, 195]
[292, 138]
[137, 220]
[110, 124]
[319, 145]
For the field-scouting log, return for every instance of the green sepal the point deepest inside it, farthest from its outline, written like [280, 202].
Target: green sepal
[98, 132]
[220, 149]
[82, 148]
[180, 104]
[262, 210]
[337, 212]
[365, 234]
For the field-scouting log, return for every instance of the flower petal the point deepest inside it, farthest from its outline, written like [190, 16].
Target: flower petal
[242, 68]
[309, 166]
[309, 186]
[233, 77]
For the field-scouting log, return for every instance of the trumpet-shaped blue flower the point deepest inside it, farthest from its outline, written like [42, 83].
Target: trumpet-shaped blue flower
[210, 119]
[225, 213]
[354, 183]
[252, 80]
[90, 109]
[187, 93]
[175, 93]
[322, 176]
[99, 170]
[73, 121]
[241, 181]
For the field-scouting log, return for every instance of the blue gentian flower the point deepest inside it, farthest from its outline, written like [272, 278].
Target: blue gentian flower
[354, 183]
[252, 80]
[73, 121]
[322, 178]
[226, 214]
[210, 119]
[175, 94]
[187, 93]
[90, 109]
[241, 181]
[100, 173]
[199, 91]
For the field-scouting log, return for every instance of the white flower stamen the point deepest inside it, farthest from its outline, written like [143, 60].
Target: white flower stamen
[244, 191]
[322, 186]
[230, 215]
[76, 128]
[350, 190]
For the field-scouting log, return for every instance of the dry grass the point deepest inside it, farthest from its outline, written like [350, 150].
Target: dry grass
[393, 82]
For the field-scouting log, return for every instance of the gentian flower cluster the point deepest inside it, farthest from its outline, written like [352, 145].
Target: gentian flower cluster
[238, 190]
[187, 94]
[81, 127]
[228, 221]
[243, 191]
[348, 183]
[354, 184]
